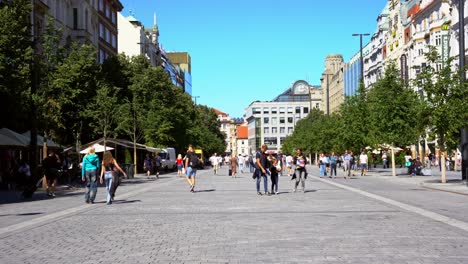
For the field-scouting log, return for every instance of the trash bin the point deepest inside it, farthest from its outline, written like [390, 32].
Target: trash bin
[128, 168]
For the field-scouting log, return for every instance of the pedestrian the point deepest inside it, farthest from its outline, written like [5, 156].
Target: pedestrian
[275, 168]
[251, 164]
[215, 163]
[157, 164]
[24, 173]
[241, 162]
[348, 157]
[109, 171]
[385, 160]
[234, 165]
[364, 161]
[279, 160]
[322, 165]
[52, 166]
[261, 169]
[179, 163]
[289, 165]
[89, 168]
[333, 164]
[147, 165]
[191, 167]
[301, 172]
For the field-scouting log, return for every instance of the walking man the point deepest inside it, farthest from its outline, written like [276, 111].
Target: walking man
[333, 164]
[384, 159]
[157, 164]
[364, 161]
[262, 165]
[215, 163]
[191, 167]
[347, 164]
[241, 162]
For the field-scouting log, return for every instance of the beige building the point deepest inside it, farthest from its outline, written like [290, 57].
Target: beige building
[229, 127]
[181, 59]
[332, 83]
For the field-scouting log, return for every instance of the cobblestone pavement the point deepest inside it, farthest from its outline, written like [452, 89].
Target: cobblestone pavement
[225, 221]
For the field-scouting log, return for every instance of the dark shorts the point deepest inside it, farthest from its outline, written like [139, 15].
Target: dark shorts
[51, 174]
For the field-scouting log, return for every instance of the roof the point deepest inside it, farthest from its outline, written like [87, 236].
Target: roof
[242, 132]
[219, 112]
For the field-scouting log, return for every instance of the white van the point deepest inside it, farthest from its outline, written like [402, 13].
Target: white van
[168, 159]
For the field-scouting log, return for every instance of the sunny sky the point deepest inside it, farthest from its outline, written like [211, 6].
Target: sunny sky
[248, 50]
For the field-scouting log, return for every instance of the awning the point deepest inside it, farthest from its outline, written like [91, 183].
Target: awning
[11, 138]
[97, 148]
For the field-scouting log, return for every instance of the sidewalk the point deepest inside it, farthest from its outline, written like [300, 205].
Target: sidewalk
[454, 183]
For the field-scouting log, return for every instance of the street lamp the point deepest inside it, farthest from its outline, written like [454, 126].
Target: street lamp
[360, 50]
[195, 98]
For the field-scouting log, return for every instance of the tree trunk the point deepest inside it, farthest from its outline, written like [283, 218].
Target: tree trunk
[442, 166]
[135, 162]
[316, 159]
[44, 145]
[393, 162]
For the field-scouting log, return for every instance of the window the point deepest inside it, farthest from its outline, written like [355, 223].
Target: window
[282, 139]
[274, 130]
[102, 56]
[317, 105]
[274, 120]
[298, 110]
[108, 36]
[271, 140]
[266, 120]
[274, 110]
[282, 130]
[101, 31]
[114, 41]
[306, 110]
[108, 11]
[266, 110]
[290, 130]
[282, 120]
[114, 20]
[75, 18]
[282, 110]
[290, 120]
[101, 5]
[256, 110]
[290, 110]
[266, 130]
[438, 40]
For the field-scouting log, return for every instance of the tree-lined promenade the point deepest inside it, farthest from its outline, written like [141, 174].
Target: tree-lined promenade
[392, 113]
[57, 88]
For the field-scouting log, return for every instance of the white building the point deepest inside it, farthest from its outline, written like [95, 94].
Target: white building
[373, 61]
[270, 122]
[454, 31]
[135, 40]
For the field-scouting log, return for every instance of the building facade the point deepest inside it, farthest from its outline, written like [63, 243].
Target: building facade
[135, 40]
[373, 61]
[108, 30]
[332, 83]
[243, 140]
[455, 32]
[270, 122]
[184, 63]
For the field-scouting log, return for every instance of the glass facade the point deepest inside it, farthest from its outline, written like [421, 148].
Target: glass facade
[351, 78]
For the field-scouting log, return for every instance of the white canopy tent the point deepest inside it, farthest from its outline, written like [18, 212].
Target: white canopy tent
[97, 148]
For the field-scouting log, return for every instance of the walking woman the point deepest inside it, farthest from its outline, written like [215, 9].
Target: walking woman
[89, 169]
[180, 165]
[301, 173]
[147, 165]
[109, 173]
[234, 165]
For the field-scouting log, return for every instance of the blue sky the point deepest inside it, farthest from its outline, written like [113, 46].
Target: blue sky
[248, 50]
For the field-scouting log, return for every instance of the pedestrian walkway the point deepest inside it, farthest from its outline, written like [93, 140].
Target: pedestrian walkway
[225, 221]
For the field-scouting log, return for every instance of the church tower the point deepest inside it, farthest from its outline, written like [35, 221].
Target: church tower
[155, 32]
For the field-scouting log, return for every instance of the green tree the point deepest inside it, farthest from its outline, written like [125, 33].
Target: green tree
[203, 131]
[16, 54]
[446, 101]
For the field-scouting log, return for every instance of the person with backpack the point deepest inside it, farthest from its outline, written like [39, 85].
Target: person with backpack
[157, 161]
[191, 164]
[89, 174]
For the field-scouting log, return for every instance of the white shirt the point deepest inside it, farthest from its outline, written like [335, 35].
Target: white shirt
[214, 160]
[289, 159]
[363, 158]
[241, 160]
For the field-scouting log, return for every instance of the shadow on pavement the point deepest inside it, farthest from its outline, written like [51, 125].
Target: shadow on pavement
[16, 197]
[209, 190]
[25, 214]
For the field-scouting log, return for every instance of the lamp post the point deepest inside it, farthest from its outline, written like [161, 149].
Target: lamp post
[461, 57]
[195, 98]
[360, 50]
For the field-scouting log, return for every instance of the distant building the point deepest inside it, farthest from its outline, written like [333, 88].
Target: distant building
[107, 43]
[184, 62]
[135, 40]
[229, 127]
[271, 122]
[243, 140]
[332, 83]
